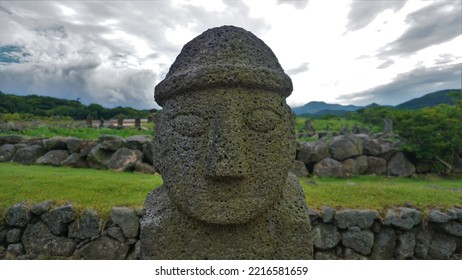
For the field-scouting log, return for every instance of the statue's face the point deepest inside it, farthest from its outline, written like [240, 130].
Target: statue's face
[224, 154]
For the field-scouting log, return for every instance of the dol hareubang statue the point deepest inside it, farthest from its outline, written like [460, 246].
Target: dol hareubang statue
[224, 145]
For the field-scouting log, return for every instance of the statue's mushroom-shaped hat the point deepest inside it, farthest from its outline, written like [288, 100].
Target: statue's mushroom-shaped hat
[226, 56]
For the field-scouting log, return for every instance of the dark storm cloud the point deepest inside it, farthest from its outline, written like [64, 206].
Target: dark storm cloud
[85, 49]
[409, 85]
[434, 24]
[298, 4]
[362, 13]
[299, 69]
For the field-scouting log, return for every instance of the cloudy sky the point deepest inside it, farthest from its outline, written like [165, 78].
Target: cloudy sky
[115, 52]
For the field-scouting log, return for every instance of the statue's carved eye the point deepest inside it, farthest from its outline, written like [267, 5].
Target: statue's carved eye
[189, 125]
[262, 120]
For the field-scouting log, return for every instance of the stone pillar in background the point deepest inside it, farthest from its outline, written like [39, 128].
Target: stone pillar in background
[89, 121]
[138, 123]
[224, 144]
[120, 121]
[309, 128]
[101, 122]
[388, 126]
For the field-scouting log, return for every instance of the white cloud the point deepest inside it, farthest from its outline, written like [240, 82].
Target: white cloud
[114, 52]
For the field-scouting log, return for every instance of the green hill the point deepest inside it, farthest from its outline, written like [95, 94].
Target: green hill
[447, 96]
[45, 106]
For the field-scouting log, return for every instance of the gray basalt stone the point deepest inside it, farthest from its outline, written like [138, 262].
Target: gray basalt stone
[3, 232]
[148, 153]
[359, 240]
[322, 255]
[312, 152]
[224, 144]
[29, 154]
[54, 157]
[137, 142]
[17, 215]
[351, 167]
[349, 217]
[38, 240]
[329, 167]
[86, 226]
[10, 139]
[41, 207]
[55, 143]
[124, 159]
[399, 165]
[325, 236]
[57, 219]
[98, 157]
[453, 228]
[442, 247]
[343, 147]
[75, 160]
[6, 152]
[116, 233]
[458, 213]
[86, 147]
[145, 168]
[126, 219]
[103, 248]
[404, 218]
[13, 235]
[371, 147]
[362, 163]
[423, 238]
[436, 216]
[406, 245]
[350, 254]
[376, 165]
[111, 142]
[299, 169]
[385, 243]
[327, 214]
[73, 144]
[15, 249]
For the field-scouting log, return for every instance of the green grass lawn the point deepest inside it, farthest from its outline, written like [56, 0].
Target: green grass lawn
[381, 193]
[80, 132]
[103, 189]
[86, 188]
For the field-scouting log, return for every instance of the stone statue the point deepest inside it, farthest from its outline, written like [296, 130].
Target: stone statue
[224, 144]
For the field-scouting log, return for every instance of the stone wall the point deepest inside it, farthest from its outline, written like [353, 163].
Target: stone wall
[342, 156]
[42, 231]
[355, 154]
[108, 152]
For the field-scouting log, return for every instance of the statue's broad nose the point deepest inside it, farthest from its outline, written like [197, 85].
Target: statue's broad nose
[226, 153]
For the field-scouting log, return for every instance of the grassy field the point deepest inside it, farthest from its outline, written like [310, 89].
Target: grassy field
[79, 132]
[381, 193]
[102, 189]
[86, 188]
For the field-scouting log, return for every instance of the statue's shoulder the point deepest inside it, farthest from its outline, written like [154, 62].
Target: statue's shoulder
[158, 203]
[293, 190]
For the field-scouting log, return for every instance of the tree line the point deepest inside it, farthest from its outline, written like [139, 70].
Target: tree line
[432, 134]
[45, 106]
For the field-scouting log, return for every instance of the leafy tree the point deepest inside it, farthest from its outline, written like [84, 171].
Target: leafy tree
[432, 133]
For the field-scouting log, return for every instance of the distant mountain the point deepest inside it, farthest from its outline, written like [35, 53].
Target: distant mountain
[431, 99]
[316, 107]
[319, 108]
